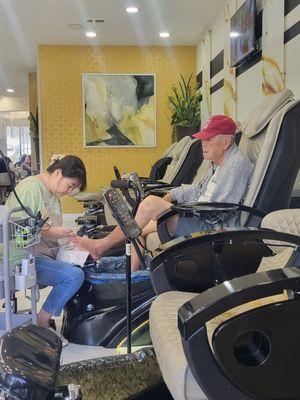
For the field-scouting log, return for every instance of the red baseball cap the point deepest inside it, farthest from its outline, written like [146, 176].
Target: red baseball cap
[217, 125]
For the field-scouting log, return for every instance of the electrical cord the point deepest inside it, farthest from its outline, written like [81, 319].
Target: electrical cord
[38, 217]
[13, 186]
[143, 246]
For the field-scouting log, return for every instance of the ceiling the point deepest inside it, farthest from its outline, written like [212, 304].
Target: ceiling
[24, 24]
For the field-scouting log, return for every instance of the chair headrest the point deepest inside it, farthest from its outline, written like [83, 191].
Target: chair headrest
[178, 148]
[262, 114]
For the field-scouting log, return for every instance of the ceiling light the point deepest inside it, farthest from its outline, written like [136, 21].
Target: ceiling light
[234, 34]
[164, 34]
[10, 90]
[132, 10]
[91, 34]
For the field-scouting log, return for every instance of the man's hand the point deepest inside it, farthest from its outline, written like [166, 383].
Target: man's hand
[168, 197]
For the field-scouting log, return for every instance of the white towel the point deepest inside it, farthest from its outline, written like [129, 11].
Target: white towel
[72, 255]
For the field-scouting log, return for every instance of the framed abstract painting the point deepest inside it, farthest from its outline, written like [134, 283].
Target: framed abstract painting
[119, 110]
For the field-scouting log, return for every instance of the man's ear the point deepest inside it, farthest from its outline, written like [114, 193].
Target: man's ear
[227, 142]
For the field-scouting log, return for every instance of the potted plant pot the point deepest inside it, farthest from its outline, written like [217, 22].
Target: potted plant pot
[181, 131]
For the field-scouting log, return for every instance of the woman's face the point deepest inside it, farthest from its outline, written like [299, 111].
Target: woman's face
[62, 186]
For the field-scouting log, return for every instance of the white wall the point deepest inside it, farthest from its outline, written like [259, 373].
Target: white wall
[11, 103]
[248, 86]
[249, 92]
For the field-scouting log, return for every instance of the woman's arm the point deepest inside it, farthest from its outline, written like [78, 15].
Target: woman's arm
[31, 196]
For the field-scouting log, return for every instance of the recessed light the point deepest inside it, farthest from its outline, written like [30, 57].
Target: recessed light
[164, 34]
[132, 10]
[91, 34]
[10, 90]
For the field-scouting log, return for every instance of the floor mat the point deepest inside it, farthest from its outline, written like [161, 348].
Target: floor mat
[115, 378]
[159, 391]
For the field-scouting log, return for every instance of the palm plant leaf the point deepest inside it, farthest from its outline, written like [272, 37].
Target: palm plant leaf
[184, 103]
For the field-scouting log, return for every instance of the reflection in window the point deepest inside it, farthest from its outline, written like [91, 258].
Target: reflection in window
[14, 134]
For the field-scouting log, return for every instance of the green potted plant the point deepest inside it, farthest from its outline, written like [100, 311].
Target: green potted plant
[185, 107]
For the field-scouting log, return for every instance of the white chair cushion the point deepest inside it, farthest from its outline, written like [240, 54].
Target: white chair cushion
[297, 185]
[260, 148]
[287, 221]
[179, 154]
[258, 118]
[167, 343]
[277, 261]
[166, 340]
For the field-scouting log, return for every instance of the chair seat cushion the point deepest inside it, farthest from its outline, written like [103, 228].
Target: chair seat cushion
[274, 262]
[166, 340]
[167, 343]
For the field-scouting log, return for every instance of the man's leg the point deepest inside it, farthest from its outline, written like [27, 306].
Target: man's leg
[135, 261]
[148, 210]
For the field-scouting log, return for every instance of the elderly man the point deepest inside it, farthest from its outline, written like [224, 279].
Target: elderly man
[226, 181]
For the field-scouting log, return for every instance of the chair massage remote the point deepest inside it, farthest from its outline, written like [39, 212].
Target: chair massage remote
[122, 214]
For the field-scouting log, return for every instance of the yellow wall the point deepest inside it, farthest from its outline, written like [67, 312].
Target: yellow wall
[60, 70]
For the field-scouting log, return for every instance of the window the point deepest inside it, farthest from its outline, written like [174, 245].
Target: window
[14, 134]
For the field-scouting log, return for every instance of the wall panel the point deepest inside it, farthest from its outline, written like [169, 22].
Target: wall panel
[60, 85]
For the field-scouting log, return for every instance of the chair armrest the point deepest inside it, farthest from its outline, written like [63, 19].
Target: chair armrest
[160, 190]
[196, 262]
[214, 301]
[214, 207]
[149, 181]
[206, 238]
[85, 196]
[194, 314]
[196, 209]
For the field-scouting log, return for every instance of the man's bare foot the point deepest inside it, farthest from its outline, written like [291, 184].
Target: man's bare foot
[95, 247]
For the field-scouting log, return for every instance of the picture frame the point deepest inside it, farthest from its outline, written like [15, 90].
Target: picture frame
[119, 110]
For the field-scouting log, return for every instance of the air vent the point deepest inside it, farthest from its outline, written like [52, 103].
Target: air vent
[94, 21]
[75, 27]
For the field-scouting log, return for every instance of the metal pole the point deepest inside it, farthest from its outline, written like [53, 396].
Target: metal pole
[128, 294]
[6, 269]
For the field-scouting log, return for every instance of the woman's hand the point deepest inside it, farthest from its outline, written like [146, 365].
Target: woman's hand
[58, 232]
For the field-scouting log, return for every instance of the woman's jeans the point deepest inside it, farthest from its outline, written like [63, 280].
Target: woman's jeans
[65, 278]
